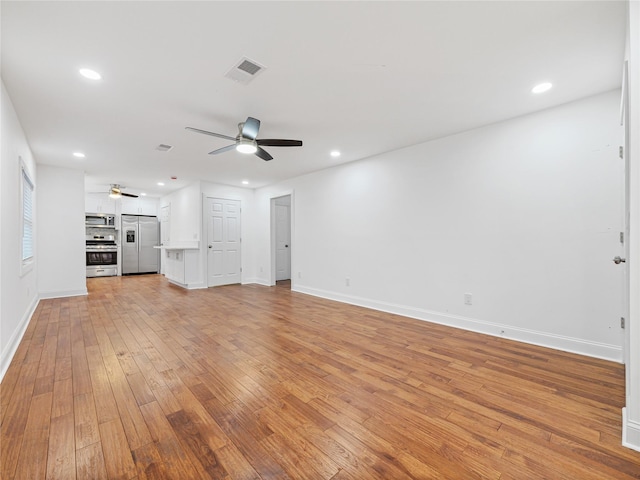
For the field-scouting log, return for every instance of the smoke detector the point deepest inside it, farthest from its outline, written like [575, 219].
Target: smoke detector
[244, 71]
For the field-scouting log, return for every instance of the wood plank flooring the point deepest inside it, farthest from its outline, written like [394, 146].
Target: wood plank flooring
[144, 380]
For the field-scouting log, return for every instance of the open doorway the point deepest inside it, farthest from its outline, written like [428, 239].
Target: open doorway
[281, 241]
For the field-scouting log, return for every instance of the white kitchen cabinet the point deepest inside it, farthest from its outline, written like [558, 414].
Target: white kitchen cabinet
[181, 266]
[148, 206]
[99, 203]
[174, 266]
[128, 205]
[138, 206]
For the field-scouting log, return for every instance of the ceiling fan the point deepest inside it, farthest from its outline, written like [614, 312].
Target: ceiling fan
[116, 192]
[246, 141]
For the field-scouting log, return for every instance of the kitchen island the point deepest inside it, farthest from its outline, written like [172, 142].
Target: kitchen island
[182, 264]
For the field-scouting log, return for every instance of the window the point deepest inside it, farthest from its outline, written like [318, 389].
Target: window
[27, 208]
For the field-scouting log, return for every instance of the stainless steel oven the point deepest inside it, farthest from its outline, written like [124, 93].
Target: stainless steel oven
[101, 256]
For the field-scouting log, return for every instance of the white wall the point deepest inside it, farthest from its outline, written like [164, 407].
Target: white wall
[524, 214]
[18, 291]
[186, 214]
[61, 232]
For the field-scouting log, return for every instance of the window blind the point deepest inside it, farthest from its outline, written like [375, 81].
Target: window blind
[27, 217]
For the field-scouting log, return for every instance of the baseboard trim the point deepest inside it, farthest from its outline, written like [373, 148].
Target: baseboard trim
[16, 338]
[544, 339]
[60, 294]
[187, 286]
[257, 281]
[630, 432]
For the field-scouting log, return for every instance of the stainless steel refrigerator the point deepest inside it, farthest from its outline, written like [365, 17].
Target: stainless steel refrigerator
[139, 235]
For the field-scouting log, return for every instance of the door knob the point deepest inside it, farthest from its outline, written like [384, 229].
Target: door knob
[286, 246]
[618, 260]
[210, 246]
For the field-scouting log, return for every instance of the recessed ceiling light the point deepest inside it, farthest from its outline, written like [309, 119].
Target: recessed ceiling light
[143, 194]
[245, 182]
[335, 153]
[90, 74]
[160, 184]
[542, 87]
[78, 154]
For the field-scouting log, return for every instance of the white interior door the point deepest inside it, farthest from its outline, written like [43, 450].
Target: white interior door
[165, 228]
[283, 242]
[165, 225]
[626, 280]
[223, 242]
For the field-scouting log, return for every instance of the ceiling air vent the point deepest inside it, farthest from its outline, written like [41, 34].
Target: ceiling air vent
[244, 71]
[164, 148]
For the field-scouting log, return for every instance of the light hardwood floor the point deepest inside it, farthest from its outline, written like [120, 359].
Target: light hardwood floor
[144, 380]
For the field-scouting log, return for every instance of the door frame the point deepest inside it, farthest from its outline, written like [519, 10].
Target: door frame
[626, 281]
[272, 249]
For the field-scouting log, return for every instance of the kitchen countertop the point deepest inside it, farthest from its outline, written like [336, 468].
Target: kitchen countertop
[185, 246]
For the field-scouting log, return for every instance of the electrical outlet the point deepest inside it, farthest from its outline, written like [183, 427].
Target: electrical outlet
[347, 281]
[261, 269]
[468, 299]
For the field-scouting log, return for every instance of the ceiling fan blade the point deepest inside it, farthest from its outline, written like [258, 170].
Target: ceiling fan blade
[250, 128]
[219, 135]
[223, 149]
[276, 142]
[263, 154]
[128, 195]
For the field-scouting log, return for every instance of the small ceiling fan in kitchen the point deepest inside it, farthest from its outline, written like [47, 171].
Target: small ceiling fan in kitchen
[247, 142]
[115, 191]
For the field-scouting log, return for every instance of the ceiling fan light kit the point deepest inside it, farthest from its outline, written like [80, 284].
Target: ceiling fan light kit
[246, 146]
[246, 141]
[115, 192]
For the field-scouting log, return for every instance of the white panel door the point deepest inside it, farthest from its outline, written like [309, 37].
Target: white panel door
[165, 239]
[223, 242]
[283, 242]
[165, 225]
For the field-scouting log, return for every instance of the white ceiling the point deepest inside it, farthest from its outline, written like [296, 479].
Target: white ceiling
[361, 77]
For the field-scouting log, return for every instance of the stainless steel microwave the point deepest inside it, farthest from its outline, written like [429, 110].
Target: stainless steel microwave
[100, 220]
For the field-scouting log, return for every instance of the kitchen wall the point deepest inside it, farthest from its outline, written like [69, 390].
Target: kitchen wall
[61, 232]
[187, 224]
[18, 290]
[522, 215]
[186, 214]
